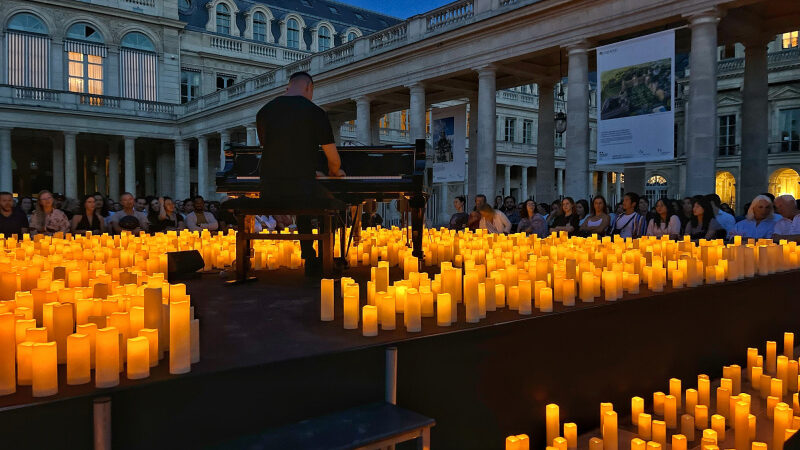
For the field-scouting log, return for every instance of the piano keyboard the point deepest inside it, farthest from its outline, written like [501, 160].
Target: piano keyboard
[370, 177]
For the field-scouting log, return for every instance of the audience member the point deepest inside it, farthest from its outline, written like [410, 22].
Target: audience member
[168, 218]
[598, 221]
[128, 218]
[188, 207]
[88, 218]
[264, 223]
[531, 222]
[725, 220]
[480, 200]
[664, 221]
[629, 223]
[759, 223]
[141, 205]
[498, 202]
[370, 217]
[703, 224]
[46, 219]
[458, 221]
[643, 208]
[200, 219]
[493, 220]
[568, 221]
[789, 226]
[12, 219]
[555, 211]
[511, 211]
[26, 205]
[582, 210]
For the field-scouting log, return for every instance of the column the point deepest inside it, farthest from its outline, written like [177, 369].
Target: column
[604, 184]
[113, 169]
[545, 144]
[375, 128]
[363, 116]
[523, 191]
[202, 165]
[507, 180]
[416, 111]
[755, 131]
[224, 140]
[559, 184]
[6, 173]
[472, 155]
[100, 177]
[702, 115]
[70, 165]
[577, 149]
[252, 135]
[181, 165]
[130, 165]
[617, 188]
[635, 179]
[149, 174]
[337, 132]
[487, 132]
[58, 163]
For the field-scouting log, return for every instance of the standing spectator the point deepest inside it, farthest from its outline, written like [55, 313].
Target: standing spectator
[664, 221]
[141, 205]
[493, 220]
[128, 218]
[510, 210]
[12, 219]
[498, 202]
[703, 225]
[629, 223]
[458, 221]
[759, 223]
[789, 226]
[555, 211]
[46, 219]
[599, 221]
[200, 219]
[480, 200]
[168, 218]
[568, 221]
[88, 218]
[724, 219]
[582, 210]
[531, 222]
[26, 205]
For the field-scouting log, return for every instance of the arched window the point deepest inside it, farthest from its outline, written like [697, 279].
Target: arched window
[726, 188]
[85, 59]
[223, 19]
[260, 27]
[292, 34]
[784, 181]
[656, 189]
[324, 39]
[351, 36]
[138, 66]
[27, 52]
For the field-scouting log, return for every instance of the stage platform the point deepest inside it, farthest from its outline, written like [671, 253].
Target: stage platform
[267, 360]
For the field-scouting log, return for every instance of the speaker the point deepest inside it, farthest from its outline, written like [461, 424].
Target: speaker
[183, 265]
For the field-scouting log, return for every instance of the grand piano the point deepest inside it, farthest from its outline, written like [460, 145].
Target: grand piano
[380, 173]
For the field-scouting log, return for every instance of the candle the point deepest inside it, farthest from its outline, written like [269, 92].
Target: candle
[571, 435]
[751, 427]
[788, 345]
[701, 417]
[703, 390]
[523, 442]
[660, 432]
[443, 306]
[552, 422]
[326, 300]
[595, 444]
[369, 320]
[776, 388]
[560, 443]
[723, 401]
[568, 292]
[782, 372]
[638, 444]
[782, 420]
[387, 312]
[426, 301]
[491, 295]
[471, 298]
[107, 357]
[413, 311]
[687, 426]
[766, 385]
[78, 359]
[512, 443]
[678, 442]
[755, 377]
[152, 307]
[771, 362]
[546, 300]
[675, 391]
[513, 298]
[587, 287]
[645, 426]
[610, 441]
[179, 338]
[605, 406]
[741, 430]
[44, 369]
[637, 407]
[658, 403]
[718, 425]
[8, 344]
[400, 294]
[525, 306]
[138, 358]
[350, 309]
[670, 412]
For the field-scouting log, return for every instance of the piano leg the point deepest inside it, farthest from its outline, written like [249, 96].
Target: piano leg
[243, 250]
[326, 245]
[417, 207]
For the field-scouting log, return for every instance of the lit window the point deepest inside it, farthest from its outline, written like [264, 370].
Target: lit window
[292, 33]
[324, 36]
[85, 73]
[790, 39]
[223, 19]
[190, 85]
[260, 27]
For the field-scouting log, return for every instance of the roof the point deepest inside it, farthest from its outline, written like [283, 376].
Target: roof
[342, 16]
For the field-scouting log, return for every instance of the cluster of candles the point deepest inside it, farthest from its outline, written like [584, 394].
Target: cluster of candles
[772, 377]
[91, 303]
[485, 272]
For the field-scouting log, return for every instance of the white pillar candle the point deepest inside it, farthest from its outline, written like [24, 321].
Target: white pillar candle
[369, 320]
[138, 358]
[326, 300]
[152, 343]
[8, 346]
[179, 338]
[388, 314]
[546, 300]
[413, 311]
[426, 301]
[490, 293]
[443, 306]
[78, 359]
[350, 310]
[24, 361]
[44, 368]
[106, 357]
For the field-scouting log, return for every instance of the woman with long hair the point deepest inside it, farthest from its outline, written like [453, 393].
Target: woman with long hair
[88, 217]
[568, 221]
[555, 211]
[531, 222]
[665, 221]
[26, 205]
[702, 224]
[169, 219]
[598, 221]
[582, 209]
[46, 219]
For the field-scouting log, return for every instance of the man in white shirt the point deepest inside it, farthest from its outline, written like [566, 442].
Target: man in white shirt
[629, 224]
[726, 220]
[493, 220]
[789, 226]
[128, 219]
[200, 219]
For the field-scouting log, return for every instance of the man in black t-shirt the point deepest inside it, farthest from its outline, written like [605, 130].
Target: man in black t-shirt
[12, 219]
[292, 129]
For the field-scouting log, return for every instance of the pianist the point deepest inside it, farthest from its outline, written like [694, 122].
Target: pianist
[291, 129]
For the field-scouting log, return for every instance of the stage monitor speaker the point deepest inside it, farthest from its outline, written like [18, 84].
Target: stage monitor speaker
[183, 265]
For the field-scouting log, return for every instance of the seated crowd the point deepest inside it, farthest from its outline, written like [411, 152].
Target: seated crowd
[700, 217]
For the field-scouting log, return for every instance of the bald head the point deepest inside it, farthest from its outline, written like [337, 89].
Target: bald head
[301, 83]
[786, 206]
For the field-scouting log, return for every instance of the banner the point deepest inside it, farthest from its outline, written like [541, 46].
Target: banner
[635, 100]
[448, 143]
